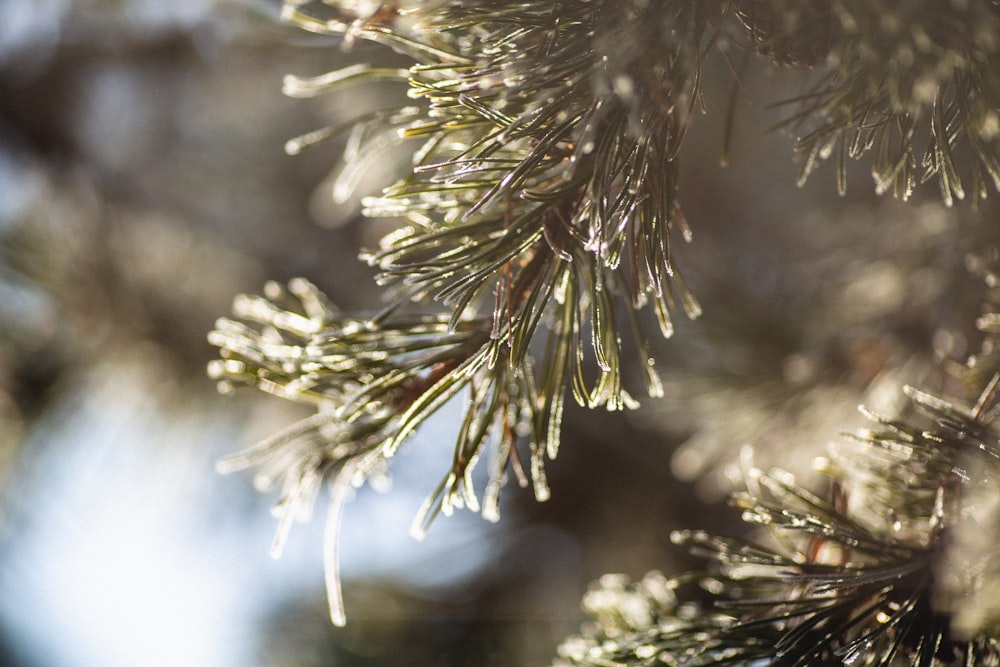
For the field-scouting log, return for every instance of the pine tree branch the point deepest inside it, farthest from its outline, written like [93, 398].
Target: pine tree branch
[890, 570]
[914, 71]
[540, 210]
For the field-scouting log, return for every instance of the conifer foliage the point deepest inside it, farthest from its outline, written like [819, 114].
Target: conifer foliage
[889, 568]
[540, 218]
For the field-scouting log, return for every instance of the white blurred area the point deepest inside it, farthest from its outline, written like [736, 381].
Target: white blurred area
[109, 542]
[121, 547]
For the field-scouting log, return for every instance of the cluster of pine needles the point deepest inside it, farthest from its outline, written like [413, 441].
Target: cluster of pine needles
[541, 211]
[896, 565]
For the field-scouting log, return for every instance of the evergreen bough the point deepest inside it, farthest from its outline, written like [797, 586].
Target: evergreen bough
[540, 217]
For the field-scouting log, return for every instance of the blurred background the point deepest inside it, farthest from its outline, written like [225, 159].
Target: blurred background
[143, 184]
